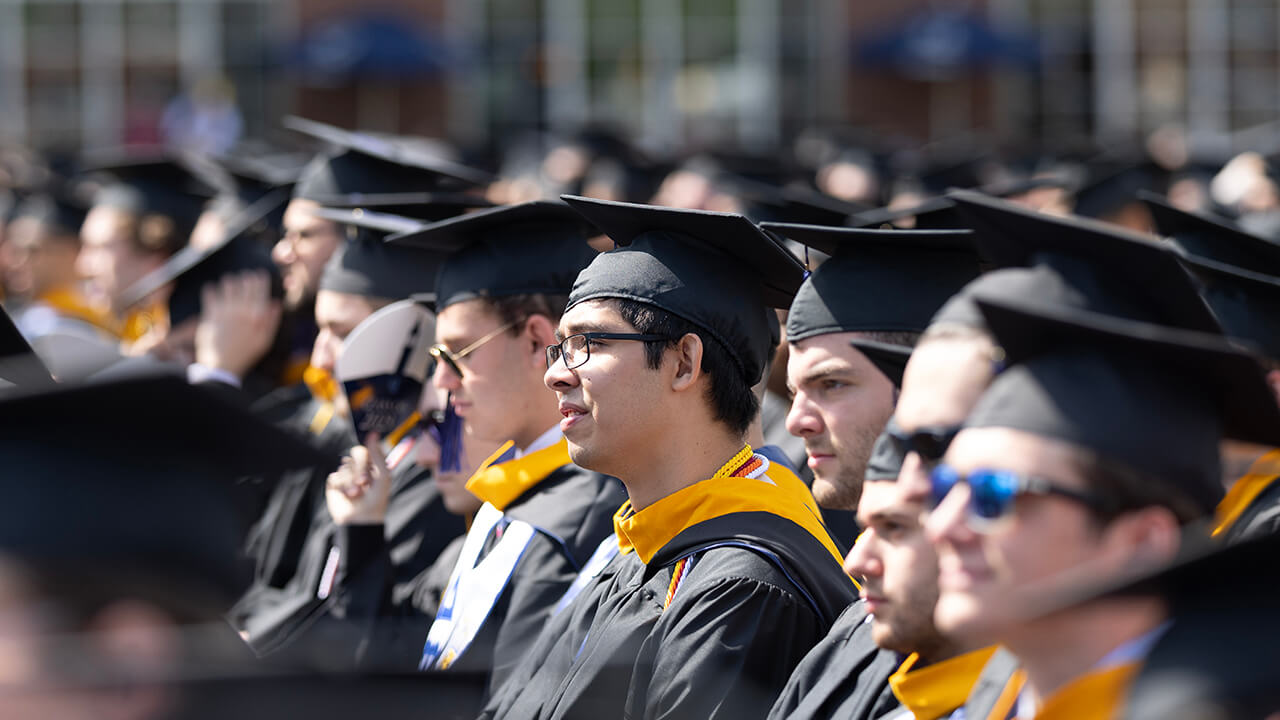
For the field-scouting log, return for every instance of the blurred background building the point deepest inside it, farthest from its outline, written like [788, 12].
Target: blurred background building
[678, 74]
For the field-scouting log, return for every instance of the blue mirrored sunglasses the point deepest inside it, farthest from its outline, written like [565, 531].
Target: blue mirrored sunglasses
[993, 492]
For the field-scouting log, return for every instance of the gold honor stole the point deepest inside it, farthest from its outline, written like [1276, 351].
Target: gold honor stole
[1244, 491]
[1097, 696]
[324, 388]
[69, 303]
[762, 486]
[938, 690]
[139, 322]
[500, 484]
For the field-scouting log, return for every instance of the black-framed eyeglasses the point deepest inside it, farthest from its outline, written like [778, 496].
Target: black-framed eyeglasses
[930, 442]
[450, 358]
[993, 492]
[576, 349]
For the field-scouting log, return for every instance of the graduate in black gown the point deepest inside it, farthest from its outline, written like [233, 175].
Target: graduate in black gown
[879, 286]
[847, 674]
[295, 539]
[498, 297]
[354, 170]
[724, 576]
[1083, 463]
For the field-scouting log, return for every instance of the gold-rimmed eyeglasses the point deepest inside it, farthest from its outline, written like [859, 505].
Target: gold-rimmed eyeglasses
[450, 358]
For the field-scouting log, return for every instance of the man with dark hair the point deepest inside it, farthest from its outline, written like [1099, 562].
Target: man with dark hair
[723, 575]
[878, 286]
[499, 293]
[852, 673]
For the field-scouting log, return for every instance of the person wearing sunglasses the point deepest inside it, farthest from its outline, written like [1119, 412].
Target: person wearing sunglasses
[894, 635]
[878, 285]
[498, 295]
[1084, 461]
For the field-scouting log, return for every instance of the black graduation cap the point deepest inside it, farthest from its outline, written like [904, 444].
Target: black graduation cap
[1239, 272]
[886, 459]
[1112, 186]
[19, 364]
[1246, 303]
[61, 212]
[367, 265]
[888, 358]
[956, 167]
[789, 203]
[1022, 184]
[191, 268]
[167, 185]
[1098, 262]
[961, 308]
[253, 176]
[877, 280]
[135, 475]
[717, 270]
[428, 206]
[536, 247]
[1213, 238]
[1154, 398]
[937, 213]
[360, 162]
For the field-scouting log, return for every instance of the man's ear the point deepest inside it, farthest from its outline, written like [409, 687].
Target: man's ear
[1273, 379]
[1149, 537]
[688, 362]
[540, 332]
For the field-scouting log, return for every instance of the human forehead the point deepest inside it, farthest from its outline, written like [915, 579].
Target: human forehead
[461, 322]
[338, 308]
[942, 382]
[882, 497]
[821, 354]
[593, 316]
[103, 224]
[300, 214]
[25, 233]
[1016, 450]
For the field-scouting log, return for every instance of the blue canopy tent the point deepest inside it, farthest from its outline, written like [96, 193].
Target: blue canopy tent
[945, 47]
[368, 46]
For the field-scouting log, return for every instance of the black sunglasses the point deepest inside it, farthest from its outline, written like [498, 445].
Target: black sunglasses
[930, 443]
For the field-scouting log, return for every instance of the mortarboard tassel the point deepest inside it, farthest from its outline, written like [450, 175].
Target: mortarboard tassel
[448, 435]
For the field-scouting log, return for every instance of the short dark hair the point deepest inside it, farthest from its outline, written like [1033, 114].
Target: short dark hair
[511, 309]
[1124, 489]
[730, 395]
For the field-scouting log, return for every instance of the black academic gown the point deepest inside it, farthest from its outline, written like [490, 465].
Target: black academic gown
[845, 676]
[761, 592]
[295, 542]
[1219, 656]
[571, 510]
[275, 544]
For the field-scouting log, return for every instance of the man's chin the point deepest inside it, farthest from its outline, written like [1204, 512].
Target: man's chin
[835, 495]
